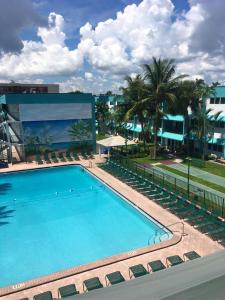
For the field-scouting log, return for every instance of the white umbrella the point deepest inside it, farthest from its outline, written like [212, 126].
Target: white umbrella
[114, 141]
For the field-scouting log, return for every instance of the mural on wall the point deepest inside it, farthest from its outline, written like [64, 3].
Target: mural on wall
[81, 131]
[40, 136]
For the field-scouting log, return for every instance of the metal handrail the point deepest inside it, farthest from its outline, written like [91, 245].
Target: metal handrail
[166, 227]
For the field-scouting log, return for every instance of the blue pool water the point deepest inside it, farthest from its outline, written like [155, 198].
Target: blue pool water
[57, 218]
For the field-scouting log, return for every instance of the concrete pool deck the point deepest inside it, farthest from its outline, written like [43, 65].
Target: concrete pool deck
[192, 240]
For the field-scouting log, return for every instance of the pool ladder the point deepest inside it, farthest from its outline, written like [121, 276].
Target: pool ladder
[165, 228]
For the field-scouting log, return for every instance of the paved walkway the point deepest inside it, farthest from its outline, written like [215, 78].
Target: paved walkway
[194, 183]
[199, 173]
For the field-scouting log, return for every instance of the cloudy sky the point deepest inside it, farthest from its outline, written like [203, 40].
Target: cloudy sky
[91, 45]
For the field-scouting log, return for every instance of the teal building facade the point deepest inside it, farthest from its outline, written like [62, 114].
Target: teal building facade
[39, 123]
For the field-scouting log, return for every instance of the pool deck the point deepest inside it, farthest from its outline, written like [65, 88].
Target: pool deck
[192, 240]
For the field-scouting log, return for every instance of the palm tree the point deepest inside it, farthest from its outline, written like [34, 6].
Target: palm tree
[187, 102]
[80, 131]
[204, 127]
[134, 94]
[204, 119]
[161, 85]
[102, 115]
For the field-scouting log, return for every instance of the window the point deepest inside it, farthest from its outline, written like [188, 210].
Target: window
[217, 124]
[217, 101]
[219, 148]
[223, 100]
[212, 100]
[214, 147]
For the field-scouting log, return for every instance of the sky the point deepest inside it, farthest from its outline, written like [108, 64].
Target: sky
[91, 45]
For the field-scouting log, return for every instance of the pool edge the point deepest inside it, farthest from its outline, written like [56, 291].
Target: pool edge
[175, 239]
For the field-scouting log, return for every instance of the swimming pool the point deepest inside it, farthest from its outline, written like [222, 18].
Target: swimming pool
[56, 218]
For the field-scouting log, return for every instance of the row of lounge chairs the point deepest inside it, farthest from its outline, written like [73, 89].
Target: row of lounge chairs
[61, 157]
[116, 277]
[203, 220]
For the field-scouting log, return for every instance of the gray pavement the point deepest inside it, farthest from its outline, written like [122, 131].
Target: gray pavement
[200, 173]
[193, 183]
[201, 279]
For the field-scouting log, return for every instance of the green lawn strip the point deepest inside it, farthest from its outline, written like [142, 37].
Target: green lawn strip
[213, 168]
[194, 178]
[148, 160]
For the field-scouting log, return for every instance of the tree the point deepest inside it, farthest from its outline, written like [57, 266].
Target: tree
[134, 94]
[102, 116]
[204, 127]
[162, 85]
[109, 93]
[81, 131]
[76, 92]
[204, 119]
[187, 99]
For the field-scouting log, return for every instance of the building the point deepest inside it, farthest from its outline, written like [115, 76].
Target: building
[172, 133]
[174, 129]
[37, 123]
[216, 102]
[25, 88]
[111, 100]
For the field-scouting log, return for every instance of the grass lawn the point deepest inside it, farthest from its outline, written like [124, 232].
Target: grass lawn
[148, 160]
[214, 168]
[194, 178]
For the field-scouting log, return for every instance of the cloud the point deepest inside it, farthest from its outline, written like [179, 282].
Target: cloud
[153, 28]
[14, 17]
[88, 76]
[117, 47]
[209, 36]
[48, 57]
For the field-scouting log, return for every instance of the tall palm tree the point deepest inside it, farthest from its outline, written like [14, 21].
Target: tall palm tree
[102, 116]
[204, 119]
[134, 93]
[204, 127]
[161, 85]
[187, 103]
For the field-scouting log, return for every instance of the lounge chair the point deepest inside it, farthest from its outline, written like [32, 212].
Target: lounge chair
[89, 154]
[43, 296]
[191, 255]
[174, 260]
[210, 228]
[114, 278]
[76, 157]
[218, 236]
[61, 157]
[92, 284]
[68, 290]
[46, 158]
[156, 265]
[38, 160]
[212, 231]
[84, 155]
[222, 242]
[54, 158]
[137, 271]
[68, 156]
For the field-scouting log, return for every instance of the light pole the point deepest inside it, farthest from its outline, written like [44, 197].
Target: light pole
[188, 184]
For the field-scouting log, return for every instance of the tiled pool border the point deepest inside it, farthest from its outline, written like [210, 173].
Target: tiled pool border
[96, 264]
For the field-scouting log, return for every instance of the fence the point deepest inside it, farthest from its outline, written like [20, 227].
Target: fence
[198, 196]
